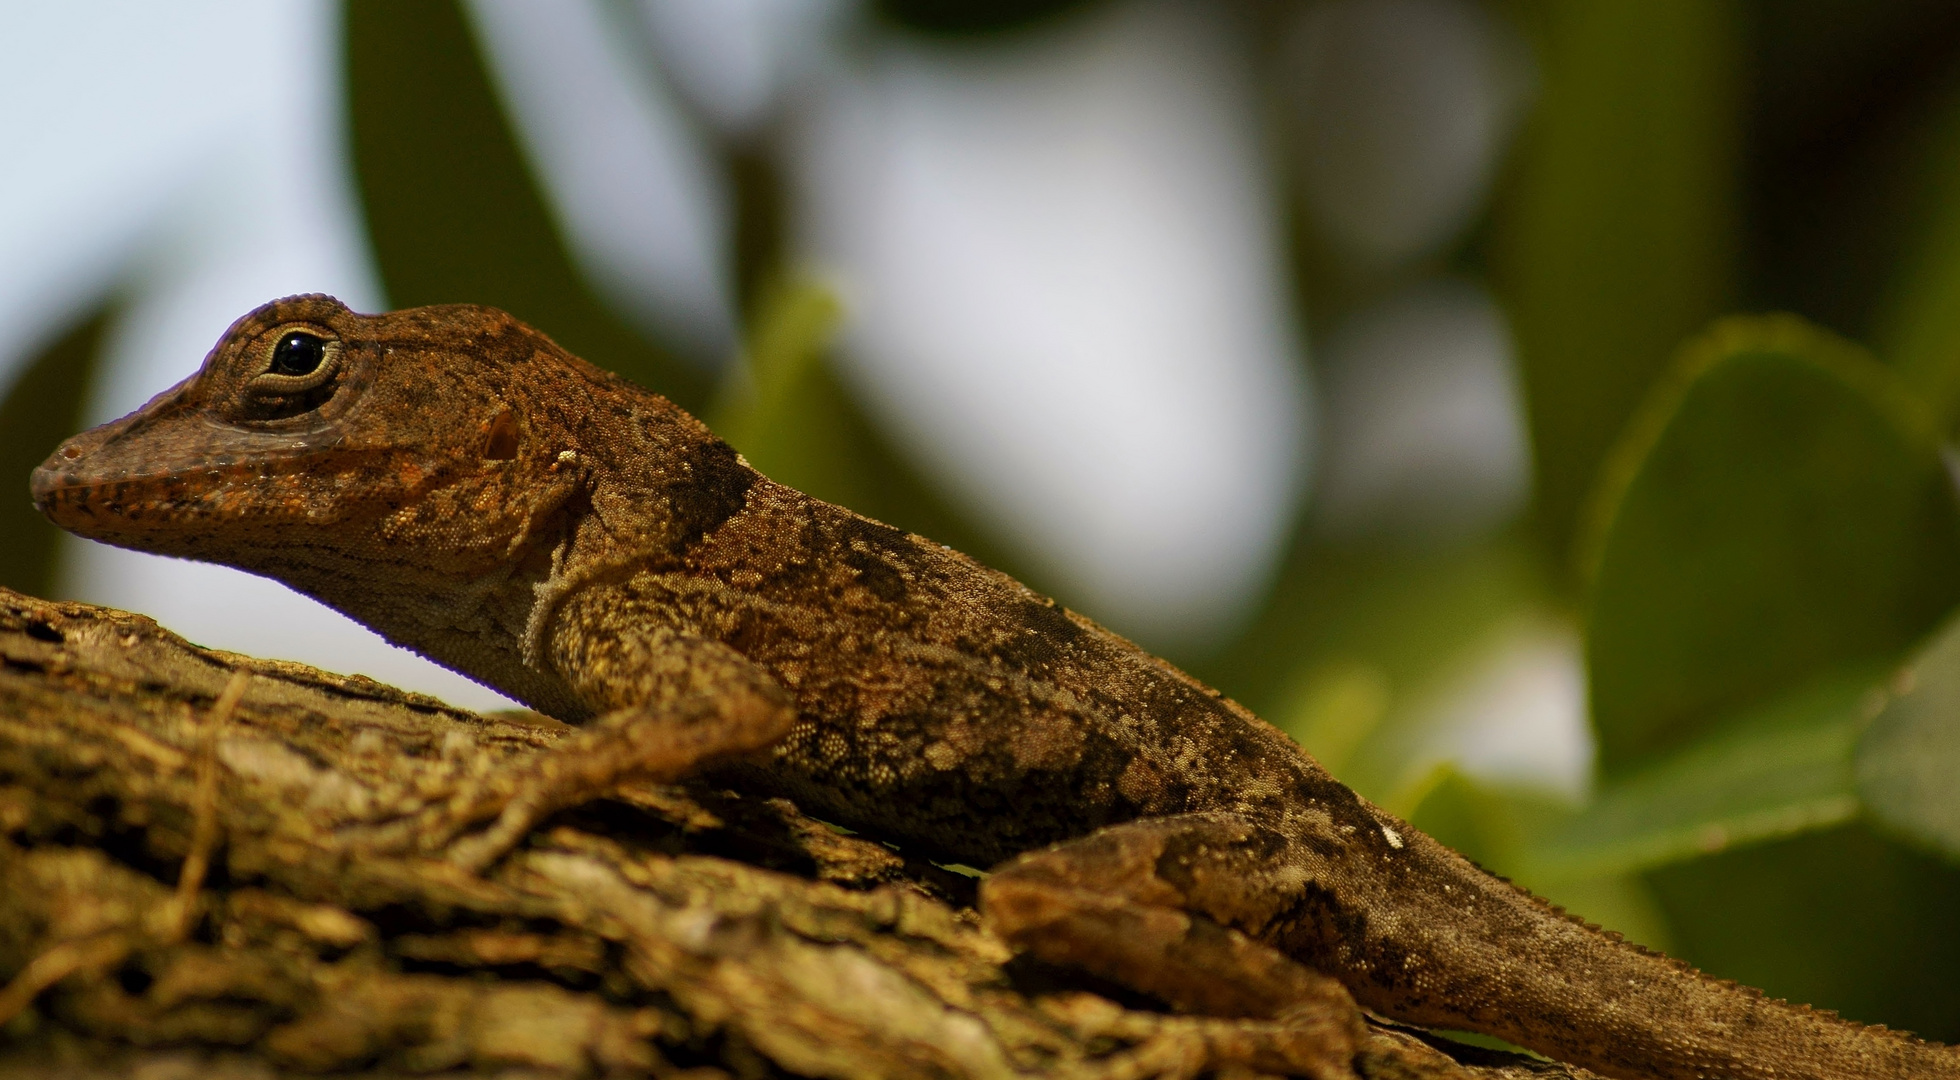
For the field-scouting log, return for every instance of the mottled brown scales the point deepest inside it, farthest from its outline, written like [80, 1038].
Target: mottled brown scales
[453, 479]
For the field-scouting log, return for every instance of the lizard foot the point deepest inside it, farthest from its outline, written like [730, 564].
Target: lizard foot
[1164, 1047]
[1126, 905]
[654, 744]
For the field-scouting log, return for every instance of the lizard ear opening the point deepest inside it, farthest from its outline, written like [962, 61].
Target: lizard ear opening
[500, 437]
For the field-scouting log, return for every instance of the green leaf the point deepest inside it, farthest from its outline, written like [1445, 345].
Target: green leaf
[452, 209]
[1839, 918]
[1909, 760]
[1778, 510]
[1775, 526]
[1776, 771]
[1617, 235]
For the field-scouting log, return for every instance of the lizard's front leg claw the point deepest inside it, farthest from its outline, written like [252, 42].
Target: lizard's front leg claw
[655, 743]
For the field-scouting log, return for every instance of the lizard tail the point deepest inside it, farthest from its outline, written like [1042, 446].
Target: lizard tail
[1484, 955]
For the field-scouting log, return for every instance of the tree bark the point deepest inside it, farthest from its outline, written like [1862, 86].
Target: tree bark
[205, 875]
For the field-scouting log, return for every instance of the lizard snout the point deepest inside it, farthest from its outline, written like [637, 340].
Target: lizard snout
[69, 486]
[68, 472]
[110, 472]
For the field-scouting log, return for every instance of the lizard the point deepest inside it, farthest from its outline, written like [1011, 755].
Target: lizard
[455, 480]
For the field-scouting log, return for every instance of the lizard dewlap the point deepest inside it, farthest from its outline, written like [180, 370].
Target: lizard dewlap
[455, 480]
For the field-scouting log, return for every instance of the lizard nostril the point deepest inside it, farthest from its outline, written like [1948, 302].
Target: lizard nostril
[71, 452]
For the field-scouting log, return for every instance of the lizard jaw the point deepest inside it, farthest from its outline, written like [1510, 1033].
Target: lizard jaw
[157, 479]
[89, 481]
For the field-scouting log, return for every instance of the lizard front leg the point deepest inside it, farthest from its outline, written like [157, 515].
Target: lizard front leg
[670, 704]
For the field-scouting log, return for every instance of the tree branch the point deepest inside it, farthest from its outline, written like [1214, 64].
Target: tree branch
[210, 885]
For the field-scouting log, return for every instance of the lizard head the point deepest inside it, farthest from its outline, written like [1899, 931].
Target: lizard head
[317, 443]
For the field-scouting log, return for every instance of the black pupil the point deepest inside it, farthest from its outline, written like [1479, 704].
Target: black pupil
[298, 354]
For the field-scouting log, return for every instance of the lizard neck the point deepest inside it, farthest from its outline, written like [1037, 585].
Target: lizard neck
[471, 624]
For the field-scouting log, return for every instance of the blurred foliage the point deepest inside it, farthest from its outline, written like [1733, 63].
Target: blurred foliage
[1777, 770]
[1357, 639]
[453, 213]
[1841, 918]
[1905, 765]
[966, 17]
[1505, 831]
[1400, 610]
[1756, 531]
[1751, 526]
[785, 410]
[1920, 326]
[1778, 509]
[1617, 236]
[44, 404]
[1841, 173]
[1774, 530]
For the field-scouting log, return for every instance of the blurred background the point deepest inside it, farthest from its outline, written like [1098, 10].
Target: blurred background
[1390, 364]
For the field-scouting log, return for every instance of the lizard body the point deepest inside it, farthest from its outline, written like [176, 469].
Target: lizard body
[456, 481]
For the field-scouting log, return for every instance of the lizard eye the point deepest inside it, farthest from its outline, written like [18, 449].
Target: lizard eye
[297, 376]
[298, 353]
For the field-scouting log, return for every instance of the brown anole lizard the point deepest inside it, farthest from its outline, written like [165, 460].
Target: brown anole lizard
[453, 479]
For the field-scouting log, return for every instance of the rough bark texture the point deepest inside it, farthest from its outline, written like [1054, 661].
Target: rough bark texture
[198, 882]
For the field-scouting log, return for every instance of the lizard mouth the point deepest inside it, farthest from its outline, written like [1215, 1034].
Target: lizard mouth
[173, 479]
[162, 471]
[98, 484]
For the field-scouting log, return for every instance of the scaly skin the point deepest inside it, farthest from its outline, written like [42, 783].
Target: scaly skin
[453, 479]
